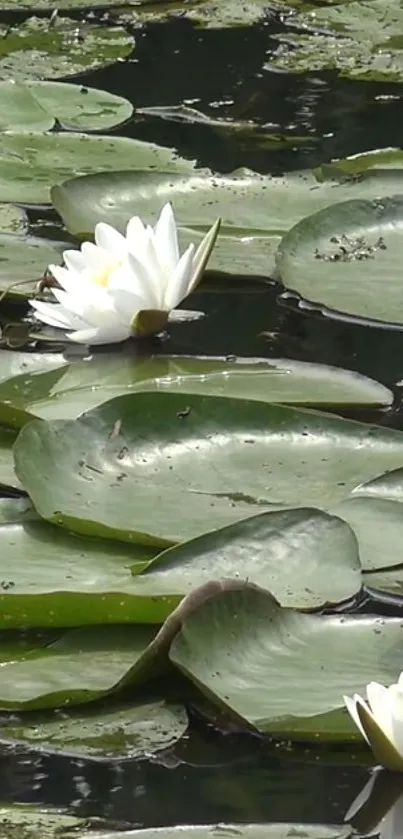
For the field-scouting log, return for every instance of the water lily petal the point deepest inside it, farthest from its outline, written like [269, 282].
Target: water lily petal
[396, 701]
[179, 281]
[380, 702]
[96, 259]
[135, 234]
[147, 271]
[60, 316]
[97, 336]
[203, 253]
[351, 705]
[108, 238]
[125, 278]
[69, 280]
[74, 261]
[166, 239]
[126, 304]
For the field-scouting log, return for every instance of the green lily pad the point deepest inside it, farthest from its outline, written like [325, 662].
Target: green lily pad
[92, 582]
[23, 261]
[282, 671]
[306, 558]
[129, 731]
[389, 485]
[249, 204]
[244, 831]
[7, 473]
[82, 666]
[348, 258]
[128, 468]
[13, 219]
[62, 390]
[31, 163]
[24, 821]
[378, 526]
[210, 14]
[362, 40]
[13, 363]
[37, 106]
[36, 49]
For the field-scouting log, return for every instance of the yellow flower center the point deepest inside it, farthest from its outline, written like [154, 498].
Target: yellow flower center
[102, 277]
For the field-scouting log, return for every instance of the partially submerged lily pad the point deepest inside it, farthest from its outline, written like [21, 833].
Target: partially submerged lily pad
[25, 821]
[362, 40]
[103, 733]
[39, 106]
[34, 49]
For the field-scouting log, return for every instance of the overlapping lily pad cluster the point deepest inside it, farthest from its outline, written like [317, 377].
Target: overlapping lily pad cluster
[187, 515]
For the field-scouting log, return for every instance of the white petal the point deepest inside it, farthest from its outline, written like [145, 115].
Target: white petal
[135, 234]
[55, 315]
[203, 254]
[127, 279]
[361, 798]
[380, 701]
[351, 705]
[74, 261]
[396, 700]
[166, 239]
[93, 305]
[95, 258]
[108, 238]
[126, 304]
[69, 280]
[100, 336]
[178, 286]
[147, 271]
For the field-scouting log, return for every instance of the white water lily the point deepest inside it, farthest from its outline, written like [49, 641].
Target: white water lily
[380, 721]
[125, 285]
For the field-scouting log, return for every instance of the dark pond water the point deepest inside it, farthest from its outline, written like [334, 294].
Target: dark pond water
[213, 777]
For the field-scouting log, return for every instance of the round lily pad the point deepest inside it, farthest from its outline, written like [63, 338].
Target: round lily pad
[348, 258]
[39, 106]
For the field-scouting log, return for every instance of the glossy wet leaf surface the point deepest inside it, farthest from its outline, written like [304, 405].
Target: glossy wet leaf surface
[51, 387]
[24, 821]
[283, 671]
[32, 162]
[348, 258]
[122, 470]
[81, 667]
[306, 558]
[250, 205]
[244, 831]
